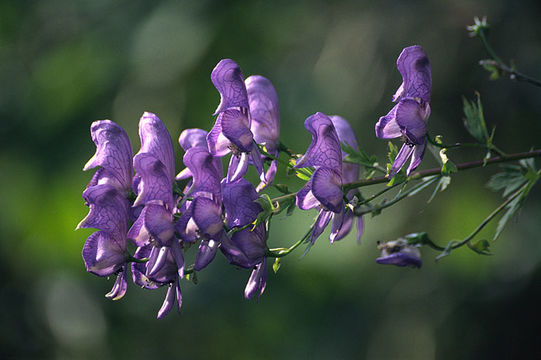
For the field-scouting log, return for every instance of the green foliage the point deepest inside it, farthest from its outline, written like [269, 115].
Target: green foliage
[474, 120]
[276, 265]
[480, 246]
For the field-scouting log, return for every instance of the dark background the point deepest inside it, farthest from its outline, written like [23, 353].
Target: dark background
[64, 64]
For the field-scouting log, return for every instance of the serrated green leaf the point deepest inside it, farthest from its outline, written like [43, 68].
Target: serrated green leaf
[276, 265]
[474, 120]
[512, 208]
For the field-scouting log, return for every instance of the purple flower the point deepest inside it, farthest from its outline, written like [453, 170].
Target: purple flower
[399, 253]
[324, 189]
[190, 138]
[247, 247]
[408, 118]
[105, 251]
[248, 111]
[113, 155]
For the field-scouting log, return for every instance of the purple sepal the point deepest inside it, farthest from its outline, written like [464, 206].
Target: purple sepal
[157, 260]
[186, 227]
[120, 287]
[228, 80]
[325, 148]
[416, 158]
[269, 175]
[321, 223]
[236, 127]
[340, 225]
[156, 141]
[155, 183]
[138, 234]
[258, 281]
[159, 223]
[238, 199]
[246, 248]
[350, 172]
[168, 302]
[108, 211]
[411, 116]
[205, 254]
[414, 67]
[190, 138]
[139, 269]
[238, 165]
[207, 215]
[218, 144]
[401, 158]
[400, 259]
[113, 154]
[103, 254]
[305, 199]
[327, 188]
[205, 174]
[387, 127]
[264, 111]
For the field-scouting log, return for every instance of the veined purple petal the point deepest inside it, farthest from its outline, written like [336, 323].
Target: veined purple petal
[403, 155]
[321, 223]
[108, 210]
[305, 199]
[190, 138]
[387, 127]
[155, 183]
[186, 226]
[120, 287]
[205, 254]
[325, 147]
[350, 172]
[113, 154]
[218, 144]
[264, 111]
[138, 234]
[238, 199]
[246, 248]
[410, 118]
[418, 153]
[414, 67]
[207, 215]
[258, 281]
[327, 188]
[202, 166]
[159, 223]
[156, 141]
[236, 127]
[228, 80]
[341, 225]
[238, 165]
[104, 254]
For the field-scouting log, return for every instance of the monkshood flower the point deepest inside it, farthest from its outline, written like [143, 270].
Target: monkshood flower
[399, 253]
[232, 131]
[324, 189]
[105, 251]
[188, 139]
[246, 248]
[113, 156]
[408, 118]
[350, 173]
[202, 216]
[265, 115]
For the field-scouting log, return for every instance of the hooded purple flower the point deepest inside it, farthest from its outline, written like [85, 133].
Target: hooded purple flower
[408, 118]
[202, 216]
[247, 247]
[399, 253]
[190, 138]
[350, 173]
[324, 189]
[113, 156]
[153, 231]
[244, 107]
[105, 251]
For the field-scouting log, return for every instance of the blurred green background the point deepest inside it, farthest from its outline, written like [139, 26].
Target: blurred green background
[65, 63]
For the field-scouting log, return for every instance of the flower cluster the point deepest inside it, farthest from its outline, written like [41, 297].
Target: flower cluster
[137, 202]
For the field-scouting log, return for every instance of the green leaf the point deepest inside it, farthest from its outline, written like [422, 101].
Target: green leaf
[393, 151]
[474, 120]
[291, 208]
[448, 167]
[512, 208]
[509, 180]
[441, 186]
[276, 265]
[282, 188]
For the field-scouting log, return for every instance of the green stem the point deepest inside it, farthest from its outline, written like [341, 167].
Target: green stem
[281, 252]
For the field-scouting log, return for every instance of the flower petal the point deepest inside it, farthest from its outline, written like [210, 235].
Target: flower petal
[411, 119]
[360, 228]
[155, 183]
[104, 254]
[190, 138]
[327, 188]
[414, 67]
[238, 165]
[238, 199]
[387, 127]
[418, 153]
[108, 210]
[350, 172]
[218, 144]
[155, 140]
[228, 80]
[205, 254]
[321, 223]
[246, 248]
[403, 155]
[264, 111]
[236, 127]
[325, 147]
[168, 302]
[120, 287]
[207, 215]
[113, 153]
[258, 281]
[341, 225]
[305, 199]
[159, 223]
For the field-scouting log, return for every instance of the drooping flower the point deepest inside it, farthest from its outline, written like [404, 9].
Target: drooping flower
[324, 189]
[408, 118]
[236, 126]
[247, 247]
[400, 253]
